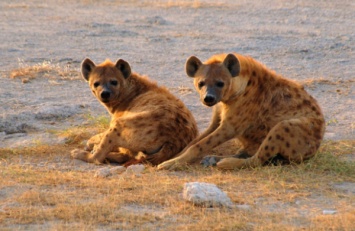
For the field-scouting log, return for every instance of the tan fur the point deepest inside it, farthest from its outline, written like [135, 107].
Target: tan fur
[146, 119]
[270, 115]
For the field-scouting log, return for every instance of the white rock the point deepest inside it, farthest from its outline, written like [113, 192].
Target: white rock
[117, 170]
[103, 172]
[135, 169]
[243, 207]
[205, 194]
[329, 211]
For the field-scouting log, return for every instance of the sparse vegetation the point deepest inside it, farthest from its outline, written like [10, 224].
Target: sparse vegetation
[42, 186]
[44, 69]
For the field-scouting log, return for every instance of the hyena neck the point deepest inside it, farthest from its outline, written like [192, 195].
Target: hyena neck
[134, 87]
[256, 82]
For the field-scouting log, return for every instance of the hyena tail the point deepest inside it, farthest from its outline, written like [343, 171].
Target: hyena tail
[167, 152]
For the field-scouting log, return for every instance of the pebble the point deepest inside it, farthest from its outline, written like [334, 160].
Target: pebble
[117, 170]
[135, 169]
[205, 194]
[329, 212]
[103, 172]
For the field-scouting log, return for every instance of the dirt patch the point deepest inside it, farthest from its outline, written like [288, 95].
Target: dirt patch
[307, 42]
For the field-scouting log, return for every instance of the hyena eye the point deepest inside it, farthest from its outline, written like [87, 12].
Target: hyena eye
[220, 84]
[96, 84]
[201, 84]
[114, 82]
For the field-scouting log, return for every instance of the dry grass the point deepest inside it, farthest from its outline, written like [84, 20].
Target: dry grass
[44, 69]
[42, 188]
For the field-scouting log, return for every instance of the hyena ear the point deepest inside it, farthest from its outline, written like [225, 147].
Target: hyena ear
[231, 62]
[192, 65]
[86, 67]
[124, 67]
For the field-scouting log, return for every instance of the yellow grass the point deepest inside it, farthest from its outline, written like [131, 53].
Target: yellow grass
[45, 69]
[290, 197]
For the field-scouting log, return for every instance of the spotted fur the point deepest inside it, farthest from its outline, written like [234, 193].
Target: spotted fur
[147, 120]
[270, 115]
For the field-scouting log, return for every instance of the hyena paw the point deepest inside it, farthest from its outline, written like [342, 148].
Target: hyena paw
[79, 154]
[209, 161]
[173, 164]
[89, 146]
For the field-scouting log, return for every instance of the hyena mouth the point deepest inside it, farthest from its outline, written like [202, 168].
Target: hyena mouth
[210, 104]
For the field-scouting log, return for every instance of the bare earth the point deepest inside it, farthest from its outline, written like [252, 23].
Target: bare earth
[312, 42]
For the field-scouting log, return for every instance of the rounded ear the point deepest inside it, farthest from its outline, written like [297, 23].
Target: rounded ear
[192, 65]
[86, 67]
[124, 67]
[231, 62]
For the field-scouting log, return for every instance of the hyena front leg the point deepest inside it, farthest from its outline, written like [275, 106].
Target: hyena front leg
[95, 140]
[109, 141]
[222, 134]
[215, 123]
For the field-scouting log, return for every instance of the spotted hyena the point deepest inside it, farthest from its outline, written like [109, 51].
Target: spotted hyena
[270, 115]
[146, 119]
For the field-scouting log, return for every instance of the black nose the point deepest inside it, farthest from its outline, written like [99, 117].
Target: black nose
[209, 99]
[105, 94]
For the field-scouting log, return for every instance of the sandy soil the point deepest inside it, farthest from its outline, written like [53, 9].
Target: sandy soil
[309, 41]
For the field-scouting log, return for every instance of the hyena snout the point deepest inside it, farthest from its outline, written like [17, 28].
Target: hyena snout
[210, 99]
[105, 95]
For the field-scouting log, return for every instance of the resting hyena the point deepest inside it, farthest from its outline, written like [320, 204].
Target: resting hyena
[269, 114]
[146, 118]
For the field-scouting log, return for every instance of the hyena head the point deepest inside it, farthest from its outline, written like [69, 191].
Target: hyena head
[107, 79]
[213, 80]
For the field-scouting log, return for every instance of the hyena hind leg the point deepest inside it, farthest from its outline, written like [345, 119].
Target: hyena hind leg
[294, 140]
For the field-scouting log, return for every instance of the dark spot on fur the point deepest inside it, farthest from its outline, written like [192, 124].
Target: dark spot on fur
[272, 148]
[287, 144]
[262, 127]
[268, 155]
[278, 137]
[287, 130]
[249, 82]
[254, 73]
[118, 134]
[115, 129]
[110, 141]
[294, 152]
[266, 147]
[270, 138]
[261, 87]
[306, 102]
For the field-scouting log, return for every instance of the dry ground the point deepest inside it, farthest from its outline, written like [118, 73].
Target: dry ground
[46, 110]
[42, 189]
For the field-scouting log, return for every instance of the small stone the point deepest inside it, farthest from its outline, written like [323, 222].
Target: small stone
[243, 207]
[204, 194]
[25, 80]
[329, 212]
[117, 170]
[103, 172]
[135, 169]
